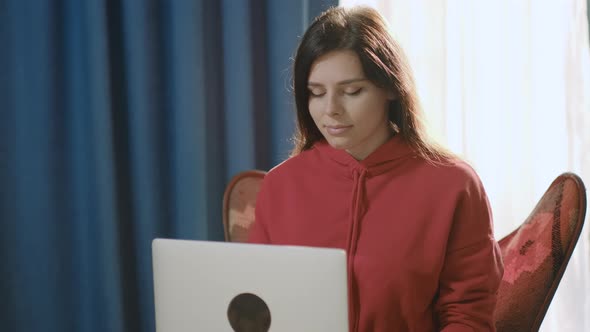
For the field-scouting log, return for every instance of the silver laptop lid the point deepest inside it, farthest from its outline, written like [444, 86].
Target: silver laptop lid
[201, 286]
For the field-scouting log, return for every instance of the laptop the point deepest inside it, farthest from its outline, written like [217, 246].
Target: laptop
[221, 286]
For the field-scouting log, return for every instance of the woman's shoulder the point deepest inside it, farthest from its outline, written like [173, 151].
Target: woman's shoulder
[462, 169]
[293, 166]
[453, 172]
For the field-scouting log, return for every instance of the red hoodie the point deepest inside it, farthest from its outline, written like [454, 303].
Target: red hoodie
[419, 237]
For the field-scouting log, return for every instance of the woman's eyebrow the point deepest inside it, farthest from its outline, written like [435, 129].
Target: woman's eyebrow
[344, 82]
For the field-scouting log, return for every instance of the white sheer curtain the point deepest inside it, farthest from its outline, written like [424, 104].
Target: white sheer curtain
[506, 84]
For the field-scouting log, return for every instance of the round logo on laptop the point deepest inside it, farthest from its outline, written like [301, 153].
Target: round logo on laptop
[247, 312]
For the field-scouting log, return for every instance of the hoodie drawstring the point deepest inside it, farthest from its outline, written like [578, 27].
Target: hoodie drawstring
[358, 209]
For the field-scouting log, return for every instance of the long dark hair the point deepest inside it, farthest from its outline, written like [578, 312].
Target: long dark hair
[364, 31]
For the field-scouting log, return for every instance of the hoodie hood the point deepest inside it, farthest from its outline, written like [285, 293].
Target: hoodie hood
[379, 161]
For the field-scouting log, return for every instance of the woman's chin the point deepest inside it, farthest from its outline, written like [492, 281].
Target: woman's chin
[338, 144]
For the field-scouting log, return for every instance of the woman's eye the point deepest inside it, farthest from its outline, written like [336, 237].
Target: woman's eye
[353, 92]
[316, 93]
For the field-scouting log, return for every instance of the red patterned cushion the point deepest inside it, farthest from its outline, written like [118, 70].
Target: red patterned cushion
[239, 202]
[536, 255]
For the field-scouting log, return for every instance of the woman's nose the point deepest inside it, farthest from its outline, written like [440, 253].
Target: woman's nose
[333, 106]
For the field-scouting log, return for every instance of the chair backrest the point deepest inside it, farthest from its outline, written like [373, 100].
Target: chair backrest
[537, 253]
[239, 201]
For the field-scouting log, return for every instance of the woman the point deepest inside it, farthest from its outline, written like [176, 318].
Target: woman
[414, 219]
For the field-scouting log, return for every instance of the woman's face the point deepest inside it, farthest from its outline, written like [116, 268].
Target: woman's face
[349, 110]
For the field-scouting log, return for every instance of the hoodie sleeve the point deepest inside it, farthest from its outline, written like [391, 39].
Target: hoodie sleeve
[473, 266]
[259, 231]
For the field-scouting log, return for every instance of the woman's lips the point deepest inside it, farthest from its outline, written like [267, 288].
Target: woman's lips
[337, 130]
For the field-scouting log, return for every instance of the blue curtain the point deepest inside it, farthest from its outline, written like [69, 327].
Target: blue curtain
[122, 121]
